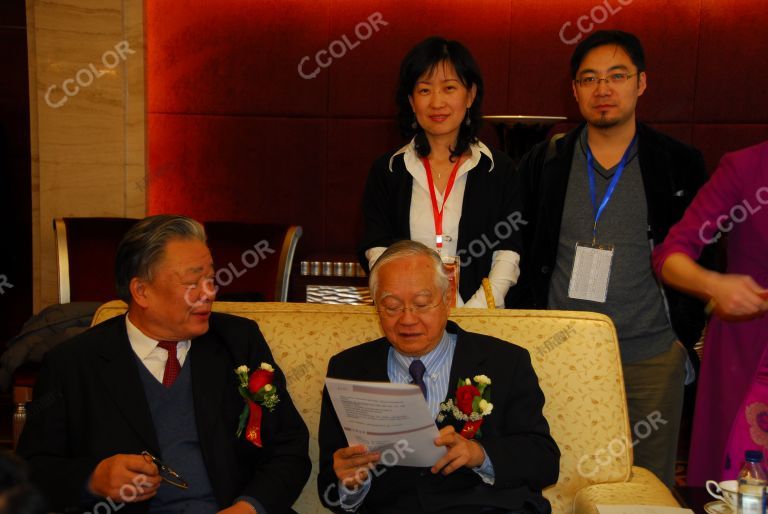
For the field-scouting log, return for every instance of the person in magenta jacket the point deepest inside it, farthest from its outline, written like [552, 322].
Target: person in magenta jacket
[733, 202]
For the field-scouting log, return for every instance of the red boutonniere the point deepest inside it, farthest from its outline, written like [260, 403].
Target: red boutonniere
[471, 404]
[257, 391]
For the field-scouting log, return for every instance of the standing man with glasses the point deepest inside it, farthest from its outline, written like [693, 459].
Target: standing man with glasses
[501, 471]
[139, 414]
[596, 202]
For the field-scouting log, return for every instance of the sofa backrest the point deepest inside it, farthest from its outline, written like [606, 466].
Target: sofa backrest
[575, 355]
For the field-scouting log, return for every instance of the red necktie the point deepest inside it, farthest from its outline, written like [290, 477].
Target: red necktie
[172, 366]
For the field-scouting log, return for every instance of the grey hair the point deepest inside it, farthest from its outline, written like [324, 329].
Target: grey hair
[144, 246]
[408, 248]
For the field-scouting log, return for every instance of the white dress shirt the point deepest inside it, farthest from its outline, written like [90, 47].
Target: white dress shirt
[152, 356]
[505, 268]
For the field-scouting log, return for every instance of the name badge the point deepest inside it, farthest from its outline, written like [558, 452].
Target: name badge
[591, 272]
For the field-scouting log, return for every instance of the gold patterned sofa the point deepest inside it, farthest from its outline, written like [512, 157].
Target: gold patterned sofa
[575, 355]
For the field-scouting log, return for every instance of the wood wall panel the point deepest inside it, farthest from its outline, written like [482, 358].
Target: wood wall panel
[87, 147]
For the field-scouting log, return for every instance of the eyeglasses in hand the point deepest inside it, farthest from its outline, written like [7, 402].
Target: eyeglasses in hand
[166, 473]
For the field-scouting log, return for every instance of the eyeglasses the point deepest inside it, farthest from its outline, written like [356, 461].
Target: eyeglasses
[395, 312]
[615, 79]
[166, 473]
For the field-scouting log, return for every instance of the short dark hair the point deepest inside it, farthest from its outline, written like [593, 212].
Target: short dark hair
[144, 245]
[625, 40]
[424, 58]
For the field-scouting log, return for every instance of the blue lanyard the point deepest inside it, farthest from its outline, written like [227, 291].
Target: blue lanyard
[598, 210]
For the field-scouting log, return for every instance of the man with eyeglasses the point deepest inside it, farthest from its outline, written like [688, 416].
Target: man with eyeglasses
[501, 472]
[140, 413]
[595, 203]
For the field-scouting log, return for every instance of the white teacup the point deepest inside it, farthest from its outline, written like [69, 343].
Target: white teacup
[728, 488]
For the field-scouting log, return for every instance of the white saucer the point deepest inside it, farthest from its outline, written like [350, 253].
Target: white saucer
[718, 507]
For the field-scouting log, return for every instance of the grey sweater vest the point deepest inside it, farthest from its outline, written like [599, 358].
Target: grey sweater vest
[173, 414]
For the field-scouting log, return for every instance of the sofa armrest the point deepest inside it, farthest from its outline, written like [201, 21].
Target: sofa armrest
[643, 488]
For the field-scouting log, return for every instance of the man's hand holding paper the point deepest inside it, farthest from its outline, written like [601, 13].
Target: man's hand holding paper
[391, 419]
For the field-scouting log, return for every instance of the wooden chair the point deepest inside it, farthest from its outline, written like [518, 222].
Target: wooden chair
[253, 260]
[85, 253]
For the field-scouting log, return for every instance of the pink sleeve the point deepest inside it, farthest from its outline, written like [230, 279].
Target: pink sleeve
[699, 225]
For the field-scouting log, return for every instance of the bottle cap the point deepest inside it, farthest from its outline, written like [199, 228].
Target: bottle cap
[753, 455]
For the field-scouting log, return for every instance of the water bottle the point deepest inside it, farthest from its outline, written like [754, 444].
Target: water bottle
[752, 482]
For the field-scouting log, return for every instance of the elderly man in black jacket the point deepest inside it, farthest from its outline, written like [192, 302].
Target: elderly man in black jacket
[140, 413]
[499, 469]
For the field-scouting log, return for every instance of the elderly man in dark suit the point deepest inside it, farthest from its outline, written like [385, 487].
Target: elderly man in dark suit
[130, 412]
[501, 468]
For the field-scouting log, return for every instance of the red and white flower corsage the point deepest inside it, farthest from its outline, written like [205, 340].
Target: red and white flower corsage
[257, 391]
[471, 404]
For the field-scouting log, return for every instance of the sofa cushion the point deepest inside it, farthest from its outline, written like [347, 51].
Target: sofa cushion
[575, 355]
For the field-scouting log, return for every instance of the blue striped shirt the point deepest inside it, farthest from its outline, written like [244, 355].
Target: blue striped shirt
[438, 366]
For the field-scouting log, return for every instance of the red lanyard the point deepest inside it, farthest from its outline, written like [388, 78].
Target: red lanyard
[438, 213]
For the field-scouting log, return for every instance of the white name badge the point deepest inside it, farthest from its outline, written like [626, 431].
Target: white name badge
[591, 272]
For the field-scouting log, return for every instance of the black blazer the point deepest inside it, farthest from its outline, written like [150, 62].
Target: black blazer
[89, 404]
[515, 436]
[672, 174]
[490, 212]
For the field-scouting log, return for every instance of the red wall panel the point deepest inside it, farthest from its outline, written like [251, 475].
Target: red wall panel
[234, 56]
[273, 110]
[714, 140]
[363, 82]
[266, 170]
[680, 131]
[733, 67]
[352, 147]
[544, 35]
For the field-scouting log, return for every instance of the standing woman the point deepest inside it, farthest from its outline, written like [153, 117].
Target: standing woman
[445, 188]
[732, 397]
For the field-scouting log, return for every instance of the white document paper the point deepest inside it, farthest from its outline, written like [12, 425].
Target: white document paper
[640, 509]
[590, 275]
[393, 419]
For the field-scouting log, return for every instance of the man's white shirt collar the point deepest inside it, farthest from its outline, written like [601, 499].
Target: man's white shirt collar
[142, 344]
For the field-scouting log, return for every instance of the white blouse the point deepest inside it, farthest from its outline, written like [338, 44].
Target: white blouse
[505, 266]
